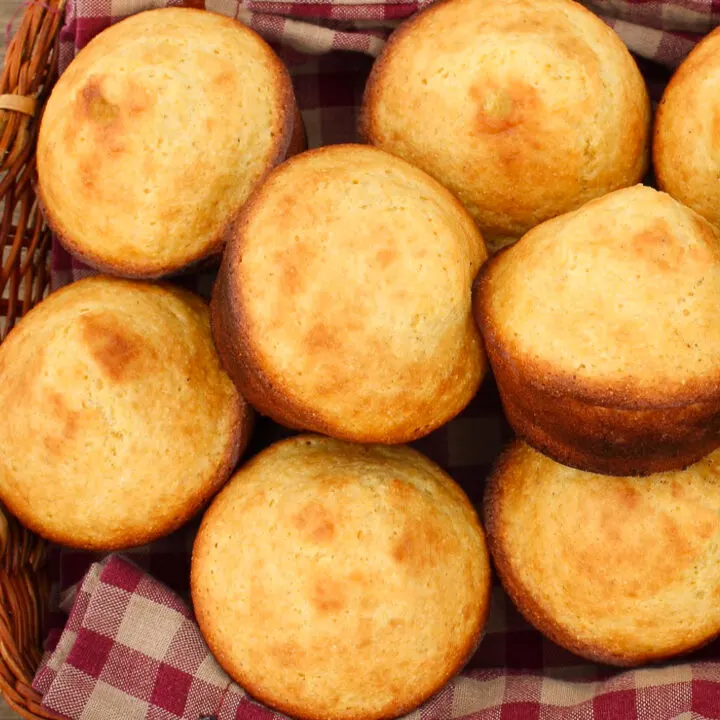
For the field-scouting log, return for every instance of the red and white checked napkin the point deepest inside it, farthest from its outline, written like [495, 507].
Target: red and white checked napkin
[132, 651]
[98, 672]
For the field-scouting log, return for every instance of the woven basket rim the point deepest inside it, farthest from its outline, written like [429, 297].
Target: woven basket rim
[29, 72]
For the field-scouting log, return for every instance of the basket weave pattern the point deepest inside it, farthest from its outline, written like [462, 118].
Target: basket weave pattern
[28, 76]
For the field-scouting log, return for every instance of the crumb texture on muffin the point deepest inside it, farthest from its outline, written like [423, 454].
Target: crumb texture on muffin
[156, 134]
[603, 331]
[619, 570]
[119, 422]
[345, 307]
[686, 146]
[525, 109]
[623, 290]
[340, 581]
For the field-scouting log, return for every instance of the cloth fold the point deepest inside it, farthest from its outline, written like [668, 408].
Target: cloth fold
[131, 650]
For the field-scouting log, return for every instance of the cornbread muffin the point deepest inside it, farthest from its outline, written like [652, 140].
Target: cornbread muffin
[362, 586]
[603, 331]
[686, 147]
[155, 136]
[118, 421]
[525, 109]
[343, 304]
[619, 570]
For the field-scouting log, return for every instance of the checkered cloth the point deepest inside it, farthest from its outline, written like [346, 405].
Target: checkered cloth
[104, 668]
[132, 651]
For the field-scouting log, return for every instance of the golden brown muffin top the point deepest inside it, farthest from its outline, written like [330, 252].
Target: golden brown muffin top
[348, 282]
[335, 580]
[619, 570]
[525, 109]
[686, 147]
[156, 134]
[616, 300]
[118, 422]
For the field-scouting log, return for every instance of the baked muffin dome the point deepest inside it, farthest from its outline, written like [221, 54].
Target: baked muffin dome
[362, 586]
[343, 303]
[118, 421]
[619, 570]
[686, 146]
[155, 136]
[525, 110]
[603, 331]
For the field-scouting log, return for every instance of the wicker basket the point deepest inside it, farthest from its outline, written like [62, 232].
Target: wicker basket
[29, 72]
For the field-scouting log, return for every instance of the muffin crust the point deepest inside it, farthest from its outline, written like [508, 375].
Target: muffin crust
[619, 570]
[524, 109]
[338, 605]
[603, 331]
[119, 423]
[346, 309]
[155, 136]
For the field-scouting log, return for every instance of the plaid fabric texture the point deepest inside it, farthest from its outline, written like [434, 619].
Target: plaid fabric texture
[131, 651]
[102, 669]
